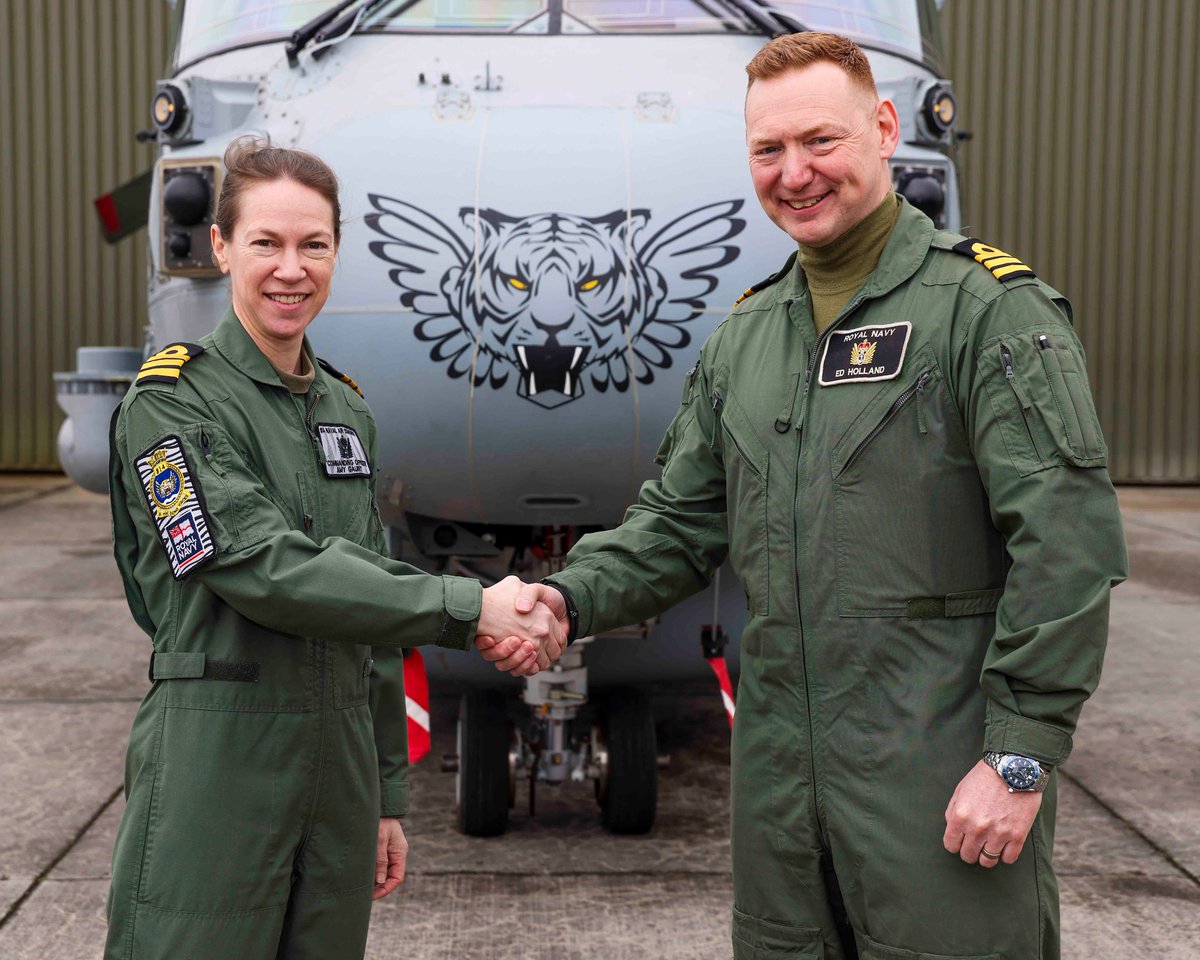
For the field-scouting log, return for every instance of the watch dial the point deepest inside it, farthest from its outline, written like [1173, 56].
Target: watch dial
[1020, 773]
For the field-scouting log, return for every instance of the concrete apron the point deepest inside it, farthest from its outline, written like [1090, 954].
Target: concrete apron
[72, 669]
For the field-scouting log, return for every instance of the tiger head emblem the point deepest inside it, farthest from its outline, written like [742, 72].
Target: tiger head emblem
[556, 298]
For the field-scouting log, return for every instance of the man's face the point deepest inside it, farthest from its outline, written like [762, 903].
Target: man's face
[280, 260]
[819, 146]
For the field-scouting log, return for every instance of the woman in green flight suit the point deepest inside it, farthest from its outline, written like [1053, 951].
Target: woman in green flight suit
[252, 553]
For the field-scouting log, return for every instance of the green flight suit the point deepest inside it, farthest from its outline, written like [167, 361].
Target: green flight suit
[272, 740]
[927, 535]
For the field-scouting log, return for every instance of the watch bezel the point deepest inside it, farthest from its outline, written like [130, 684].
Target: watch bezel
[1020, 781]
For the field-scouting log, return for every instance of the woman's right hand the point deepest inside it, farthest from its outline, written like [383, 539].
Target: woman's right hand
[529, 641]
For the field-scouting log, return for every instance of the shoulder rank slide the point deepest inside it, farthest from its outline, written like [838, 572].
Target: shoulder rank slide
[176, 505]
[763, 284]
[337, 374]
[1004, 266]
[164, 366]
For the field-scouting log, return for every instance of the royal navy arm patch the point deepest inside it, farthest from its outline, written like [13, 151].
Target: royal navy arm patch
[337, 374]
[1004, 266]
[165, 366]
[176, 506]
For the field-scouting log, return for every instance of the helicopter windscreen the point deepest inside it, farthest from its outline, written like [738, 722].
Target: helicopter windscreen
[210, 26]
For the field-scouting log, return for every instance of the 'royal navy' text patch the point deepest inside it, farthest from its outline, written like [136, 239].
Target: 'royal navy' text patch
[344, 453]
[176, 505]
[868, 353]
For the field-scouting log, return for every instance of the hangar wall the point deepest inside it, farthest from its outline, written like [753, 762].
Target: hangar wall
[1086, 122]
[76, 77]
[1085, 115]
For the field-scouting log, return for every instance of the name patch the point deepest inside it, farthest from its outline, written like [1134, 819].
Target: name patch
[865, 354]
[175, 503]
[344, 453]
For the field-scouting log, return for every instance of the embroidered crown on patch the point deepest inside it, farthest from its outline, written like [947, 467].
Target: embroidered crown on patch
[1004, 266]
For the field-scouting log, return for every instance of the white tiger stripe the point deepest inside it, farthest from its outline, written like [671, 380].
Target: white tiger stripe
[417, 713]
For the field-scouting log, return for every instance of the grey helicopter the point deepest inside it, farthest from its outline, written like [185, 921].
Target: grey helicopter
[547, 212]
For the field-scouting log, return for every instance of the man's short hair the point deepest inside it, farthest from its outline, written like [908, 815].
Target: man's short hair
[794, 51]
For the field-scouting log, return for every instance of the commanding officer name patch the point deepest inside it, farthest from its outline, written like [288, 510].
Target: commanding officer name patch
[344, 453]
[164, 366]
[175, 502]
[868, 353]
[1004, 266]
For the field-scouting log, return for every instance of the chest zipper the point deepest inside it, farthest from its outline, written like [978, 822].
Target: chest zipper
[718, 406]
[309, 417]
[895, 408]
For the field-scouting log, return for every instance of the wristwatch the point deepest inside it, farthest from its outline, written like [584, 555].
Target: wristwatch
[1021, 774]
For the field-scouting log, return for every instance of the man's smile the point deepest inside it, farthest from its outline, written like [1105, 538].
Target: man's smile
[808, 203]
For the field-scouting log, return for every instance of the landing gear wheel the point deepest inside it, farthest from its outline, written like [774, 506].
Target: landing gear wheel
[482, 786]
[626, 752]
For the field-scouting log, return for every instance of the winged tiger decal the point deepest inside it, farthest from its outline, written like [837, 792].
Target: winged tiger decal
[554, 298]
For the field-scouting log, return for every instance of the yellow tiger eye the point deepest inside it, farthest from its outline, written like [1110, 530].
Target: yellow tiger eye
[590, 284]
[519, 284]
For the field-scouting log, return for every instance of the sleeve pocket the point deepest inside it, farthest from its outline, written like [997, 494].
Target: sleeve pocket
[1041, 401]
[1082, 443]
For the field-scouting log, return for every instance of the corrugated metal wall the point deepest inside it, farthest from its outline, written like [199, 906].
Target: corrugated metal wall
[76, 77]
[1086, 115]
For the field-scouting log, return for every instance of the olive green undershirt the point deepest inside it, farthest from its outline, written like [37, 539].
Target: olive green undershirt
[298, 382]
[836, 270]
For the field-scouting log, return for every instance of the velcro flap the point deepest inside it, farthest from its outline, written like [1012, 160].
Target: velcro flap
[463, 598]
[973, 602]
[177, 666]
[969, 603]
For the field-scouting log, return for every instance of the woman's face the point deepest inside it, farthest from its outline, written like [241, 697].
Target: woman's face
[280, 260]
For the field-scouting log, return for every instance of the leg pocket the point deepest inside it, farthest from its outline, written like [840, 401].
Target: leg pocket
[755, 939]
[873, 950]
[226, 812]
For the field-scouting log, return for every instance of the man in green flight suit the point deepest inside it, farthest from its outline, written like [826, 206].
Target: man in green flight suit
[894, 442]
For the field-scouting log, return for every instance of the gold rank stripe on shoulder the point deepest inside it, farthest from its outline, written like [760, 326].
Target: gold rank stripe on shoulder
[333, 371]
[1004, 266]
[165, 366]
[763, 284]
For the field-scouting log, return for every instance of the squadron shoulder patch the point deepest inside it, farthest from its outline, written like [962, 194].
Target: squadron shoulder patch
[176, 506]
[865, 354]
[1004, 266]
[344, 452]
[337, 374]
[164, 366]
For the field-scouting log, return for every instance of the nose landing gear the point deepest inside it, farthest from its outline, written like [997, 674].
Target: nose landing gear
[618, 751]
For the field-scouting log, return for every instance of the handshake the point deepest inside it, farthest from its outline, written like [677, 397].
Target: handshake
[523, 627]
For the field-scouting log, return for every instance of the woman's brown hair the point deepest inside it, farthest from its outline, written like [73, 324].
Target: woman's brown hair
[252, 159]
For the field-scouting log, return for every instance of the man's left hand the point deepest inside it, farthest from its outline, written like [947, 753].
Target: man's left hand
[390, 855]
[984, 818]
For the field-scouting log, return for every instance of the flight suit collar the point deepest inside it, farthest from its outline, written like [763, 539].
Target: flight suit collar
[235, 345]
[902, 256]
